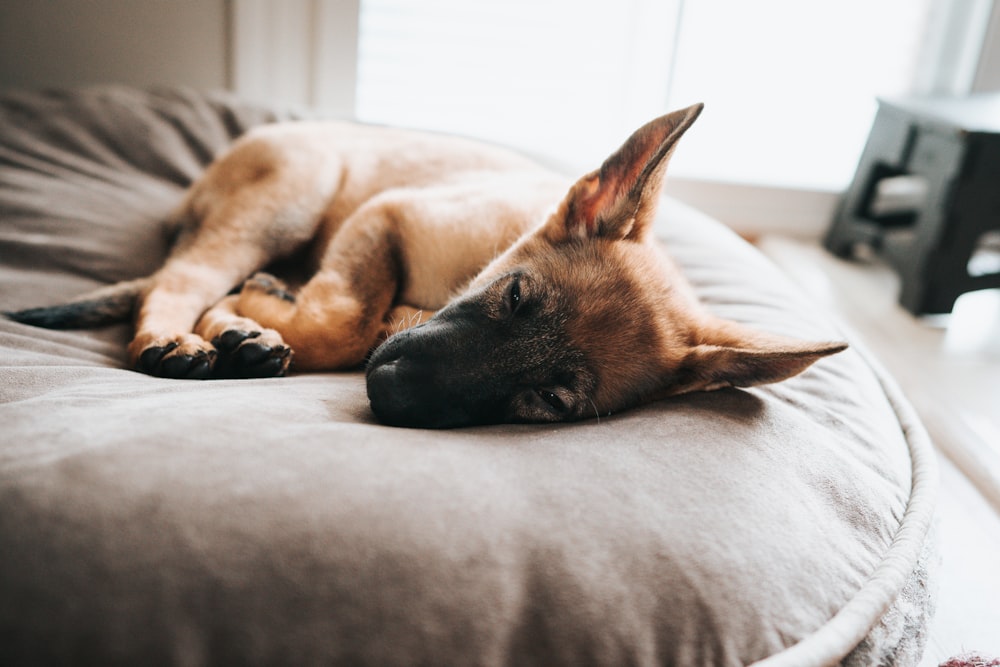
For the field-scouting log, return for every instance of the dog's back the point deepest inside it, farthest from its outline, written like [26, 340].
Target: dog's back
[456, 203]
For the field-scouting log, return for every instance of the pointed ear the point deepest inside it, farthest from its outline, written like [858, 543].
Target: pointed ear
[758, 359]
[619, 199]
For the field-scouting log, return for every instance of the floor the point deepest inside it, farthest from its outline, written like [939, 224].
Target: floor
[949, 368]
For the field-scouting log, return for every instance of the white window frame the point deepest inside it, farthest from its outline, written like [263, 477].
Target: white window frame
[296, 52]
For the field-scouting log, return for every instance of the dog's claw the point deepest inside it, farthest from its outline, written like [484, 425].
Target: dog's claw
[150, 358]
[159, 362]
[252, 353]
[187, 366]
[228, 341]
[272, 366]
[243, 357]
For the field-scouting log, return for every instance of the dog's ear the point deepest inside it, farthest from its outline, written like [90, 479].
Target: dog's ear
[619, 200]
[733, 356]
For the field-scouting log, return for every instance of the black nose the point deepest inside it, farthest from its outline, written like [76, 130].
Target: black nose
[404, 387]
[436, 375]
[389, 400]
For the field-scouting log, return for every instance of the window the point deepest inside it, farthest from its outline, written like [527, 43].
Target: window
[559, 77]
[790, 86]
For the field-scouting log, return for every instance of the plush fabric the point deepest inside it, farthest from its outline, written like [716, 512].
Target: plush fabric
[152, 521]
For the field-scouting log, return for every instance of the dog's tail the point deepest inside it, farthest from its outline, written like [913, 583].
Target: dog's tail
[104, 306]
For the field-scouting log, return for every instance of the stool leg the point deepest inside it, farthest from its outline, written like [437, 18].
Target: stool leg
[931, 273]
[885, 153]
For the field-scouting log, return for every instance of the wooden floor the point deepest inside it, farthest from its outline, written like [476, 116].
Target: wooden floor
[949, 369]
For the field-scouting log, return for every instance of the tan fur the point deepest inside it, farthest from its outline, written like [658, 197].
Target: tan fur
[387, 213]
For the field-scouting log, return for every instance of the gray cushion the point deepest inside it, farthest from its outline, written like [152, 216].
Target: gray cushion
[151, 521]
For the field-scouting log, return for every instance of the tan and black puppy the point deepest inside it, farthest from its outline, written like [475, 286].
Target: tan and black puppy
[554, 301]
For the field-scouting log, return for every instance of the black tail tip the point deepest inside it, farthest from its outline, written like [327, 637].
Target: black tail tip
[16, 315]
[28, 316]
[54, 317]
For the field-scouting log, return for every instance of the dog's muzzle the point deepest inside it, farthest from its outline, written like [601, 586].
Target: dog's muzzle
[427, 377]
[392, 393]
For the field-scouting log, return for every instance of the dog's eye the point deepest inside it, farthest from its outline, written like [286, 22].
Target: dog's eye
[514, 295]
[552, 399]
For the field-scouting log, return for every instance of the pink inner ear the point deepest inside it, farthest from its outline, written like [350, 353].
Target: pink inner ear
[606, 192]
[618, 199]
[591, 200]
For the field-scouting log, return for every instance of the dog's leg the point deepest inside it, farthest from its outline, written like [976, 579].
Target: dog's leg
[260, 202]
[243, 228]
[415, 246]
[337, 317]
[245, 349]
[187, 285]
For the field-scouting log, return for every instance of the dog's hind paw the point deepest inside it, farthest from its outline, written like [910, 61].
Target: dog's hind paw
[181, 360]
[268, 284]
[251, 354]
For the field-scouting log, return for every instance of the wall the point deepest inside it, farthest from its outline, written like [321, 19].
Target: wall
[46, 43]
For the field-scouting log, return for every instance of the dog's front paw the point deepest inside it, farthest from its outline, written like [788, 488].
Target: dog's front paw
[185, 357]
[251, 354]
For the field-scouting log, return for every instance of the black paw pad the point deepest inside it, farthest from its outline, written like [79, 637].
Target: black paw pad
[243, 357]
[157, 361]
[150, 358]
[230, 340]
[196, 366]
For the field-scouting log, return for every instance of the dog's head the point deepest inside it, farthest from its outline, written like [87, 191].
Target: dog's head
[582, 317]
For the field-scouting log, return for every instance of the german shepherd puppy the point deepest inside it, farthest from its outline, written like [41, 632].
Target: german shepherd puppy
[566, 307]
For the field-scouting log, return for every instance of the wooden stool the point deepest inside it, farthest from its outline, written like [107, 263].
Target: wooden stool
[945, 155]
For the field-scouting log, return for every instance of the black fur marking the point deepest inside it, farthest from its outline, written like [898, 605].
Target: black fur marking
[77, 315]
[110, 305]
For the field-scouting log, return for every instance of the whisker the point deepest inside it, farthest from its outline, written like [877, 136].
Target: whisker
[407, 321]
[596, 412]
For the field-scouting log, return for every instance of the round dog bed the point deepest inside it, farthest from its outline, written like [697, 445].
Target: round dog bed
[151, 521]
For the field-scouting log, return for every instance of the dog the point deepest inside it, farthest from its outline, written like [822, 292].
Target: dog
[499, 291]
